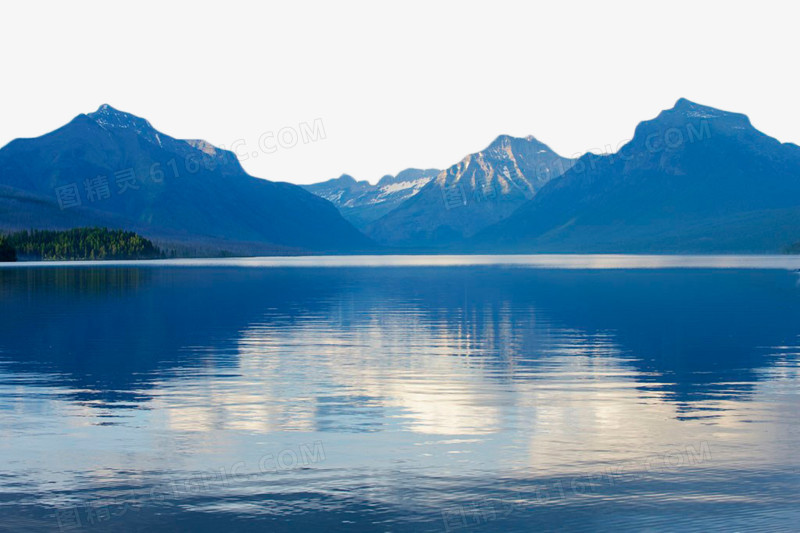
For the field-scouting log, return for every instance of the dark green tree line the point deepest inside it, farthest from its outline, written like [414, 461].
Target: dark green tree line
[7, 252]
[79, 243]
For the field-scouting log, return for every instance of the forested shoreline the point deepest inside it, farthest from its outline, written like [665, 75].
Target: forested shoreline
[76, 244]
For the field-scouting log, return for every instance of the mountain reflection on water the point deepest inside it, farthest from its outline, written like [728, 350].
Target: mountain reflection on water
[432, 391]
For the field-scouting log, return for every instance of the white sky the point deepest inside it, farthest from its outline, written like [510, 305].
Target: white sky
[396, 84]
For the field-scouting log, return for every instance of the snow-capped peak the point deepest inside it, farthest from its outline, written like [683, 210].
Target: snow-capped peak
[108, 116]
[111, 119]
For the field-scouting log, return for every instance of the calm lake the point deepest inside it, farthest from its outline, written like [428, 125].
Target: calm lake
[476, 393]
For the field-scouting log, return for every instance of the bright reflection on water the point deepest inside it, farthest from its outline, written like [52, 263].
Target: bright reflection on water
[581, 393]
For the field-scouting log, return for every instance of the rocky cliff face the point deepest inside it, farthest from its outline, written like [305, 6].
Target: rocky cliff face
[480, 190]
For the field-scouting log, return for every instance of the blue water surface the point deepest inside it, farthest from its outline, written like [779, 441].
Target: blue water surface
[449, 393]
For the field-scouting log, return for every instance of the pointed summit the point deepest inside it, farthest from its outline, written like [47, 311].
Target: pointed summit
[503, 142]
[346, 178]
[112, 119]
[686, 108]
[106, 108]
[109, 112]
[684, 103]
[500, 140]
[109, 117]
[688, 120]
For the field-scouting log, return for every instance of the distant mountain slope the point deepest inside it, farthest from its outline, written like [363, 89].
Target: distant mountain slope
[477, 192]
[361, 202]
[113, 169]
[694, 179]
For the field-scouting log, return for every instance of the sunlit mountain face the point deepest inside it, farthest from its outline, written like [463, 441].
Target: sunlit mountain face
[361, 202]
[398, 396]
[430, 209]
[475, 193]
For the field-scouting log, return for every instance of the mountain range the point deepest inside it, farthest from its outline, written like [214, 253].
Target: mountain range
[693, 179]
[432, 209]
[360, 202]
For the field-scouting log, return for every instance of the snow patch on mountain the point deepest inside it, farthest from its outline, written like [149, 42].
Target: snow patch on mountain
[204, 146]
